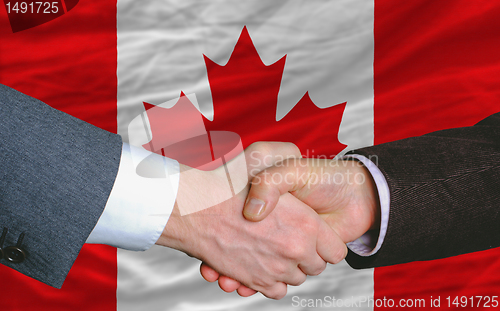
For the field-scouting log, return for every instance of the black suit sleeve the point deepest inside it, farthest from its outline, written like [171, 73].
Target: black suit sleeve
[56, 173]
[444, 194]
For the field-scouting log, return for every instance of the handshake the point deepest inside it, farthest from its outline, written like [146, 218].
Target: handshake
[294, 216]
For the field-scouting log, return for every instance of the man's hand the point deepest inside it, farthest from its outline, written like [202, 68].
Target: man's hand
[342, 192]
[291, 242]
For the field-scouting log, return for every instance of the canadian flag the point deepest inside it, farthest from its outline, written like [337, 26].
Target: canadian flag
[329, 76]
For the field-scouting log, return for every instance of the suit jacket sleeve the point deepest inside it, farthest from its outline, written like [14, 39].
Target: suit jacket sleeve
[56, 173]
[444, 194]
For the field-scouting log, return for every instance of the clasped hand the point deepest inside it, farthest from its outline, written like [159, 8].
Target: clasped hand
[292, 219]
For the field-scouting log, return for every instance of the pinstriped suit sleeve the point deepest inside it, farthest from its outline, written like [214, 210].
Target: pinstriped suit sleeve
[444, 194]
[56, 173]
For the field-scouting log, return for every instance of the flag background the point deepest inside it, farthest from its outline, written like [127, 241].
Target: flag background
[434, 65]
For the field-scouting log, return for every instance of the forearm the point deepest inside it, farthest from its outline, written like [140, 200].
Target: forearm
[56, 173]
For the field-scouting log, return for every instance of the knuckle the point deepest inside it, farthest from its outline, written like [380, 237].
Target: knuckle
[299, 280]
[319, 269]
[276, 293]
[261, 283]
[265, 179]
[298, 251]
[280, 270]
[310, 227]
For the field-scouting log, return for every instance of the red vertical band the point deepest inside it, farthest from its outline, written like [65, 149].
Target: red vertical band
[56, 62]
[436, 67]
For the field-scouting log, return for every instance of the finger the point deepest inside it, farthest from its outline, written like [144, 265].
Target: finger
[209, 274]
[277, 291]
[227, 284]
[267, 187]
[244, 291]
[261, 155]
[296, 279]
[329, 245]
[314, 268]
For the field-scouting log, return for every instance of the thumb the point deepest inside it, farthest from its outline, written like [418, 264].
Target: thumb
[267, 187]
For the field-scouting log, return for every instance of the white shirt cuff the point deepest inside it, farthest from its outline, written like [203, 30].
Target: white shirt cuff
[138, 207]
[368, 244]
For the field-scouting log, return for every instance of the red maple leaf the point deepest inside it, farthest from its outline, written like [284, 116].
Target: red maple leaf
[245, 97]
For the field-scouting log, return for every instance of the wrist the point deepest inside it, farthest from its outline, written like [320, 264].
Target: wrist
[179, 228]
[372, 199]
[174, 234]
[364, 200]
[199, 196]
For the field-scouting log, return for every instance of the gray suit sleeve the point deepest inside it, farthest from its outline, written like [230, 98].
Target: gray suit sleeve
[56, 173]
[444, 194]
